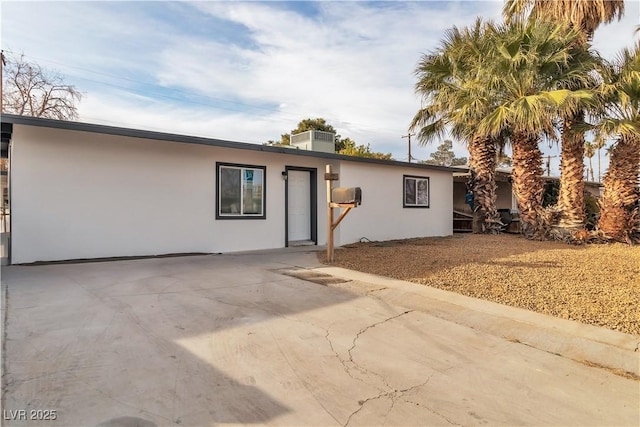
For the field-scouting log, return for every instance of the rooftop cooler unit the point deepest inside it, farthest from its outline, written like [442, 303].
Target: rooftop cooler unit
[315, 140]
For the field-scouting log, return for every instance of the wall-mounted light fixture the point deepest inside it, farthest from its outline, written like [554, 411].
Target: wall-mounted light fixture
[285, 175]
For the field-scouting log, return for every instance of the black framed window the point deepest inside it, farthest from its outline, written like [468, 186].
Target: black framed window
[415, 191]
[240, 191]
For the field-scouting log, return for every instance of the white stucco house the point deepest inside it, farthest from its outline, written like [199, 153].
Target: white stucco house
[79, 191]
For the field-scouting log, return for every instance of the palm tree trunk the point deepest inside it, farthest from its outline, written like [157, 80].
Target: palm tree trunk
[619, 204]
[571, 196]
[482, 165]
[528, 184]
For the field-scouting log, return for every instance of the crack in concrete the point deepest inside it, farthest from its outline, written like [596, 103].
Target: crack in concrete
[295, 372]
[393, 395]
[345, 364]
[364, 402]
[402, 392]
[333, 350]
[422, 384]
[365, 329]
[363, 370]
[453, 423]
[346, 368]
[393, 403]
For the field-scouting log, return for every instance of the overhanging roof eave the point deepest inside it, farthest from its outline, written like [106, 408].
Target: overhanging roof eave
[188, 139]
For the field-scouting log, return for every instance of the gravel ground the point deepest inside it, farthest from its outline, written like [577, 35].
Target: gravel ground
[594, 284]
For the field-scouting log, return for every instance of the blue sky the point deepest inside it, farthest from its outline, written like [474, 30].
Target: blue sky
[251, 71]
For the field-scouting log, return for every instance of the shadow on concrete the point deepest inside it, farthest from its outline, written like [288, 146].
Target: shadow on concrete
[105, 341]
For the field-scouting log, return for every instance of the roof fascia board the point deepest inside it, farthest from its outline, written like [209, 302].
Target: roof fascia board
[186, 139]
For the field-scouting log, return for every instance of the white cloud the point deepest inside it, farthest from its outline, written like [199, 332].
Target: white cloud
[610, 38]
[139, 112]
[257, 68]
[353, 64]
[106, 37]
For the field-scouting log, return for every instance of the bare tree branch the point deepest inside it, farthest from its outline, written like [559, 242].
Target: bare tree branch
[30, 90]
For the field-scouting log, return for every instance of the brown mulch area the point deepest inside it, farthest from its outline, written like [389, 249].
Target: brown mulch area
[593, 284]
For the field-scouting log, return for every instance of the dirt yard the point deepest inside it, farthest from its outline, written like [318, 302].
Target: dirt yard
[594, 284]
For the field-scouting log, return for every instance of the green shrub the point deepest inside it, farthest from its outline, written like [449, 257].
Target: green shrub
[551, 191]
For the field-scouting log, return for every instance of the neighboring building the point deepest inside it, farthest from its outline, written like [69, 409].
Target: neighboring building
[89, 191]
[505, 199]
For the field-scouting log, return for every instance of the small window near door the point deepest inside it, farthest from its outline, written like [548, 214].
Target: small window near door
[416, 191]
[240, 191]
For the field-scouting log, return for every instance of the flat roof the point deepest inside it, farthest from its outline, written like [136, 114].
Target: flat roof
[187, 139]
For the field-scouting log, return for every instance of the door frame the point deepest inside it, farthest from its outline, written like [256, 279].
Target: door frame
[313, 192]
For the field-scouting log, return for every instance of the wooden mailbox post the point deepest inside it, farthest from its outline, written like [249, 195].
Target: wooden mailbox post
[331, 226]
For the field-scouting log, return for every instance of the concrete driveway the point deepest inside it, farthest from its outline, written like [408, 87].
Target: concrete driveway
[248, 339]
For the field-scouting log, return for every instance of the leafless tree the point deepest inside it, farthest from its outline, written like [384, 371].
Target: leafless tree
[30, 90]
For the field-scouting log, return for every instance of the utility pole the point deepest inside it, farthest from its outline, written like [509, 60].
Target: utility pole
[408, 136]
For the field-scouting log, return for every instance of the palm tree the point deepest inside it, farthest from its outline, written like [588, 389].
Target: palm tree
[585, 16]
[619, 97]
[589, 152]
[536, 67]
[488, 82]
[448, 83]
[600, 143]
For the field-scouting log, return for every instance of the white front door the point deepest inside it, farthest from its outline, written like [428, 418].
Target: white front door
[299, 205]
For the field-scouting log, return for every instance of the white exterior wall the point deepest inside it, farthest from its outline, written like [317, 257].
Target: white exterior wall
[87, 195]
[381, 215]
